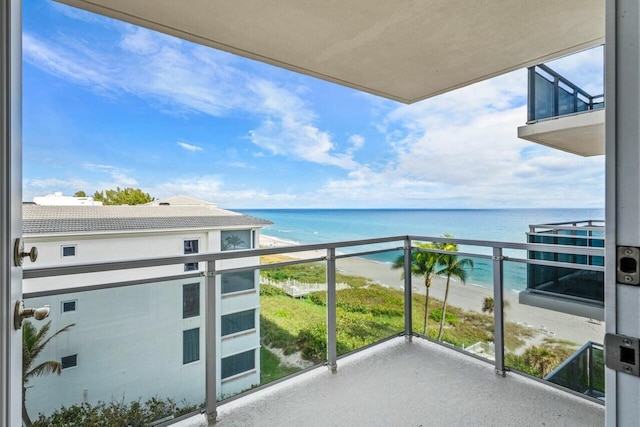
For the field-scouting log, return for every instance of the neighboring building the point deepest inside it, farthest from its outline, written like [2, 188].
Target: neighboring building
[57, 199]
[146, 340]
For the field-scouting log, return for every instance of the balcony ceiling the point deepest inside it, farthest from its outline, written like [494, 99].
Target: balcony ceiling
[402, 50]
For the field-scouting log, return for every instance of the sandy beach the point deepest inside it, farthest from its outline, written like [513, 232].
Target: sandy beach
[469, 297]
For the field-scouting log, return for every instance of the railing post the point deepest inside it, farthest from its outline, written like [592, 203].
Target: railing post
[531, 100]
[331, 311]
[498, 309]
[556, 97]
[210, 340]
[408, 312]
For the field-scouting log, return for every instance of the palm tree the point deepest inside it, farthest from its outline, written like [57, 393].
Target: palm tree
[33, 342]
[422, 264]
[451, 265]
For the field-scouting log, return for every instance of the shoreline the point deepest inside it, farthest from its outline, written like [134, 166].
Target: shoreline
[549, 324]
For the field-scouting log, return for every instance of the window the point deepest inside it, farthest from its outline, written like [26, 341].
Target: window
[190, 300]
[238, 363]
[68, 251]
[69, 361]
[191, 247]
[68, 306]
[238, 322]
[236, 282]
[235, 239]
[190, 345]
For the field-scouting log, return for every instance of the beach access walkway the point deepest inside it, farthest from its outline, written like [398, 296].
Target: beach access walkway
[297, 289]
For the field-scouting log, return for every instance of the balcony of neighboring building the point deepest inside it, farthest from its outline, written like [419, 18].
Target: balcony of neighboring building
[561, 115]
[181, 350]
[566, 289]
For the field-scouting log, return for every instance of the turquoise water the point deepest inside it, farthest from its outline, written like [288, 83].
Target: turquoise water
[509, 225]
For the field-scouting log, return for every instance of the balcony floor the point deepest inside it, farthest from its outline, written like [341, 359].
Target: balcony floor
[416, 384]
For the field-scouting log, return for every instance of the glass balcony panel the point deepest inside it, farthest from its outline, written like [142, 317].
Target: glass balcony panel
[568, 281]
[582, 372]
[545, 338]
[565, 102]
[137, 352]
[292, 317]
[369, 300]
[543, 98]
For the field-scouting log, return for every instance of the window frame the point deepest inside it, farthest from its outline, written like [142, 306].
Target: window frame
[191, 266]
[74, 358]
[185, 289]
[63, 247]
[236, 331]
[196, 334]
[75, 306]
[238, 373]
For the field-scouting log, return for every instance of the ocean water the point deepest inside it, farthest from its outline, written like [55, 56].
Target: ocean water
[306, 226]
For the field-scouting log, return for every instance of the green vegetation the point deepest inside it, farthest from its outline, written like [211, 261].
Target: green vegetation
[34, 341]
[119, 196]
[134, 414]
[307, 273]
[270, 367]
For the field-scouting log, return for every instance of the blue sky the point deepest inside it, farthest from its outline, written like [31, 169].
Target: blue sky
[110, 104]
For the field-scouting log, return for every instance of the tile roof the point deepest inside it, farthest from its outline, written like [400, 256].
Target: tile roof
[39, 219]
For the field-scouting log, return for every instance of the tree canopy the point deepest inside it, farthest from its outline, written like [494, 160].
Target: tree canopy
[119, 196]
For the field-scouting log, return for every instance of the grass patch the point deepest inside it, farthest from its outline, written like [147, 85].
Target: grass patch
[270, 367]
[315, 272]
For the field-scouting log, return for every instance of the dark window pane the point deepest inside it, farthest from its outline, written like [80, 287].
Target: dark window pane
[238, 363]
[68, 306]
[238, 322]
[236, 282]
[190, 300]
[190, 345]
[69, 361]
[191, 247]
[68, 251]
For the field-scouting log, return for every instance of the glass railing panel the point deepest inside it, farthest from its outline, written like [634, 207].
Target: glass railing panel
[543, 98]
[292, 316]
[369, 299]
[582, 372]
[565, 102]
[544, 339]
[238, 334]
[128, 355]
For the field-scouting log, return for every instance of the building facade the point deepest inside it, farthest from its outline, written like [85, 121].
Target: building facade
[133, 343]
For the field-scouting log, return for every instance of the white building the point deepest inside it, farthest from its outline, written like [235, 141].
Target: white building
[136, 342]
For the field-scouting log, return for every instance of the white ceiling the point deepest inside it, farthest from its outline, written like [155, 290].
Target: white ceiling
[406, 50]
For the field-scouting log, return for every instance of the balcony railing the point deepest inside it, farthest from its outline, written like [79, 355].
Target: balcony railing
[583, 371]
[570, 283]
[128, 324]
[551, 95]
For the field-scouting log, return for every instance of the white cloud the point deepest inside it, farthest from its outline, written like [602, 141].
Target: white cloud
[190, 147]
[214, 189]
[118, 177]
[289, 129]
[357, 142]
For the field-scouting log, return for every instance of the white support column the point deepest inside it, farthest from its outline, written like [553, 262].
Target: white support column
[622, 97]
[10, 209]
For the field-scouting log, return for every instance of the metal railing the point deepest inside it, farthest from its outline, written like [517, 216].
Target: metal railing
[550, 95]
[404, 243]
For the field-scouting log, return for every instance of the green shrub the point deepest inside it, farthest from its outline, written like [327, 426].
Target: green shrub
[449, 317]
[374, 300]
[270, 291]
[134, 414]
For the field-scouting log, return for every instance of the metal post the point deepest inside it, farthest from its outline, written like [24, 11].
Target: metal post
[622, 148]
[10, 208]
[531, 100]
[210, 340]
[408, 312]
[498, 309]
[331, 311]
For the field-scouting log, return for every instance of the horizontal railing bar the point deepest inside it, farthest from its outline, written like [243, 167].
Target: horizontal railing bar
[439, 251]
[378, 251]
[582, 300]
[568, 228]
[563, 79]
[558, 264]
[111, 285]
[539, 247]
[215, 256]
[569, 236]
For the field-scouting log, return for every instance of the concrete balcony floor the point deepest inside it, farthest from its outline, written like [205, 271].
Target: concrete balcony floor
[410, 384]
